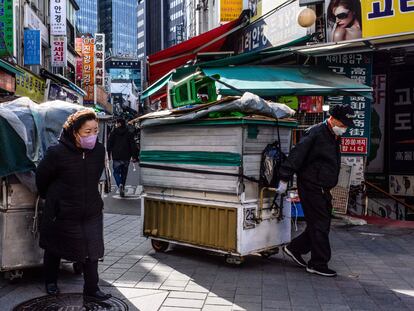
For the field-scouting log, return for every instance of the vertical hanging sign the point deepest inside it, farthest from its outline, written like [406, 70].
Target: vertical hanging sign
[100, 59]
[59, 52]
[88, 72]
[58, 17]
[79, 59]
[32, 47]
[6, 28]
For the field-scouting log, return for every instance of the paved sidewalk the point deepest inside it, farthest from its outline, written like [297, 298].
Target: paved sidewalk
[375, 268]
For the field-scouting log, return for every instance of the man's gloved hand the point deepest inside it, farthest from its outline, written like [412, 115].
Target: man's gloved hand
[282, 188]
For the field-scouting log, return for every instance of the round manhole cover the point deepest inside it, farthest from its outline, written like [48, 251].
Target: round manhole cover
[70, 302]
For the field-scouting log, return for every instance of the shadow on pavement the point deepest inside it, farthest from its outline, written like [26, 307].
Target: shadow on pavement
[30, 289]
[374, 273]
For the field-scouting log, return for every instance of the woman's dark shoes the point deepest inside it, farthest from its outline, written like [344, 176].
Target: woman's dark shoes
[96, 296]
[52, 289]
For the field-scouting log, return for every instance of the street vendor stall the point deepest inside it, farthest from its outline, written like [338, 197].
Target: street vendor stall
[27, 129]
[202, 160]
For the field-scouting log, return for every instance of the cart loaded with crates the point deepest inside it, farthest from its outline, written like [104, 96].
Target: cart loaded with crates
[27, 129]
[201, 175]
[209, 162]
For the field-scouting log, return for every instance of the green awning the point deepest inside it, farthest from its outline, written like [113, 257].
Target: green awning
[154, 88]
[268, 81]
[9, 67]
[175, 74]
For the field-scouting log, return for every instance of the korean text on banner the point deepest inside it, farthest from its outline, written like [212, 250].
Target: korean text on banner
[32, 47]
[88, 70]
[100, 59]
[271, 32]
[6, 28]
[401, 116]
[29, 85]
[58, 17]
[359, 68]
[385, 17]
[78, 45]
[230, 10]
[59, 52]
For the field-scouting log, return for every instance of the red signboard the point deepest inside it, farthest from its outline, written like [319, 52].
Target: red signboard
[79, 68]
[354, 145]
[7, 82]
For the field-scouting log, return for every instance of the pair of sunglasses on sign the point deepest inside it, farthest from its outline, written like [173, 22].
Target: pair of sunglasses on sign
[342, 15]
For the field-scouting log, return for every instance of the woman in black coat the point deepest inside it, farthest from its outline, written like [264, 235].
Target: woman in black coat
[72, 222]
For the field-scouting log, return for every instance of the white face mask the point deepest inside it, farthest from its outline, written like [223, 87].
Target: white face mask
[339, 131]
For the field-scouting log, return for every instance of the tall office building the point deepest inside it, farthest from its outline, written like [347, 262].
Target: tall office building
[87, 16]
[118, 21]
[141, 30]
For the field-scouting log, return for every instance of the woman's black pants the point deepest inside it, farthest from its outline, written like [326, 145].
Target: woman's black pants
[51, 265]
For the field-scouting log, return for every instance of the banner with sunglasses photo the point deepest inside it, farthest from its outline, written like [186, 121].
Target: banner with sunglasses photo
[343, 20]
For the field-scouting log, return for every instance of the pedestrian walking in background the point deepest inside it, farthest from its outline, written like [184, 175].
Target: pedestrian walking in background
[72, 222]
[121, 149]
[316, 160]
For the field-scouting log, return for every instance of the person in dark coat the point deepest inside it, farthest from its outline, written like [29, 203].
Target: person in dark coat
[316, 160]
[72, 222]
[121, 149]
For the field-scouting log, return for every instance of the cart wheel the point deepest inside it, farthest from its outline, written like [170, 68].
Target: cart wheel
[77, 268]
[265, 254]
[270, 252]
[234, 260]
[159, 246]
[13, 275]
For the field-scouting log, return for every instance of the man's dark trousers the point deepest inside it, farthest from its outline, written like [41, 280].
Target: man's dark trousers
[317, 208]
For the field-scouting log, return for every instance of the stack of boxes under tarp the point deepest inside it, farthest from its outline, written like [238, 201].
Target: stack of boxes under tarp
[200, 169]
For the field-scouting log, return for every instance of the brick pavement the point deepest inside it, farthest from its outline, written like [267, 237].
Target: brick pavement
[374, 266]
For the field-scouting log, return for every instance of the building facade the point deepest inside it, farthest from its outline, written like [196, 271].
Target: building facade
[118, 21]
[87, 17]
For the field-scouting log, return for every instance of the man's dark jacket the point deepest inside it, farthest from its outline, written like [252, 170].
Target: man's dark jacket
[121, 145]
[72, 222]
[315, 159]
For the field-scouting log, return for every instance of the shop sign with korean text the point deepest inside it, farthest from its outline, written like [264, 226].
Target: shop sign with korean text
[59, 52]
[6, 28]
[32, 47]
[385, 17]
[100, 59]
[358, 67]
[31, 86]
[58, 17]
[401, 122]
[279, 28]
[88, 68]
[230, 10]
[32, 21]
[78, 45]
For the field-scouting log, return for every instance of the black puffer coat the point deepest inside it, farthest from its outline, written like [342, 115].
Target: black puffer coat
[121, 144]
[315, 159]
[72, 222]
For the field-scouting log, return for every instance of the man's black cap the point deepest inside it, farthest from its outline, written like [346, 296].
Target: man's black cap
[343, 113]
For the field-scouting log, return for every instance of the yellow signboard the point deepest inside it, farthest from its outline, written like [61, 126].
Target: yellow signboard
[385, 17]
[31, 86]
[230, 10]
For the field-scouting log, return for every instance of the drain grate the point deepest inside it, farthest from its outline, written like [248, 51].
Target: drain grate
[70, 302]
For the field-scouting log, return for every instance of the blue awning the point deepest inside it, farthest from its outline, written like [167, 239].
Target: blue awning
[268, 81]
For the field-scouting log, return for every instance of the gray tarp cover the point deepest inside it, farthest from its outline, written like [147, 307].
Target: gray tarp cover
[38, 126]
[249, 103]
